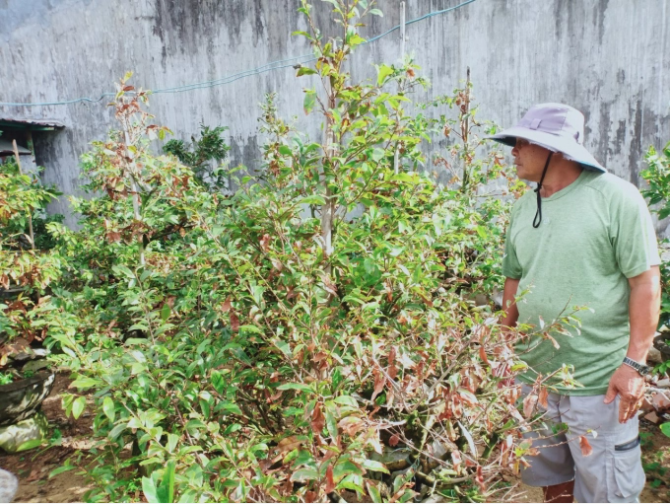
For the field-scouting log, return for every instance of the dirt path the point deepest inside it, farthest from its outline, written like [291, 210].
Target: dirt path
[33, 467]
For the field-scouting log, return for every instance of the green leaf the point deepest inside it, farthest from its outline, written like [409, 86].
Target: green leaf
[305, 474]
[60, 470]
[331, 424]
[229, 407]
[374, 466]
[118, 429]
[149, 489]
[29, 445]
[78, 406]
[232, 428]
[217, 381]
[108, 408]
[172, 440]
[310, 100]
[84, 382]
[355, 40]
[376, 12]
[314, 199]
[383, 71]
[305, 71]
[205, 408]
[166, 489]
[303, 33]
[165, 312]
[665, 428]
[374, 492]
[345, 467]
[295, 386]
[347, 401]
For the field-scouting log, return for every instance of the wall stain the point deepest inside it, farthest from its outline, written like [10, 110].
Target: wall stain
[635, 145]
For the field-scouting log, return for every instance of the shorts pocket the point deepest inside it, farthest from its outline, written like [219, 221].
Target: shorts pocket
[626, 477]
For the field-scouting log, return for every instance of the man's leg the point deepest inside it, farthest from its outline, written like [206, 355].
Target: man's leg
[563, 492]
[609, 469]
[553, 467]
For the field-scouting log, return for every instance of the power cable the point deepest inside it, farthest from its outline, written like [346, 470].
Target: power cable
[273, 65]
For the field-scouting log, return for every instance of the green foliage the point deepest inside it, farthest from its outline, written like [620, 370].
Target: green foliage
[312, 336]
[28, 262]
[657, 175]
[199, 154]
[6, 378]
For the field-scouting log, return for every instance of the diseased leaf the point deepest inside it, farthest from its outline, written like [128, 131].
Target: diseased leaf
[585, 446]
[330, 483]
[234, 322]
[318, 419]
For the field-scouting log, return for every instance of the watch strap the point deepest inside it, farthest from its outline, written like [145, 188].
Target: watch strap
[643, 369]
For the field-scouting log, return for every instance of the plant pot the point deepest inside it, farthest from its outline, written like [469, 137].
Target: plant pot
[21, 399]
[662, 344]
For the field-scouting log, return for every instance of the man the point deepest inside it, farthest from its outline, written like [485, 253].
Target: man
[582, 238]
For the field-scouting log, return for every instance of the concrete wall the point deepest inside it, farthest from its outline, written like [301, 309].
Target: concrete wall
[610, 58]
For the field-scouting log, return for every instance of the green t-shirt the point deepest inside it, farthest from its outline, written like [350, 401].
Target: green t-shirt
[595, 234]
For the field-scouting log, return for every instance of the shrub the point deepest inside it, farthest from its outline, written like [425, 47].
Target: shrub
[244, 348]
[28, 266]
[200, 153]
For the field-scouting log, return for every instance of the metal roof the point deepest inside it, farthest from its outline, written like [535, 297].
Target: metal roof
[7, 148]
[31, 124]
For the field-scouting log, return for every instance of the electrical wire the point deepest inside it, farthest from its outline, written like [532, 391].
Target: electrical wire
[273, 65]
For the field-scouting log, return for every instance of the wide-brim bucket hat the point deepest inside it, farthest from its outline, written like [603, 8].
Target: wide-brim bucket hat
[556, 127]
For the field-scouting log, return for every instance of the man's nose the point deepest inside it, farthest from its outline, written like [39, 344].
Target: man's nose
[515, 151]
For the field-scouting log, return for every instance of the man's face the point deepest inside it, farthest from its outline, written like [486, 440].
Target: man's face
[529, 160]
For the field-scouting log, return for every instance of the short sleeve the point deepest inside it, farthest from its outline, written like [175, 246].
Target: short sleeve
[632, 233]
[510, 265]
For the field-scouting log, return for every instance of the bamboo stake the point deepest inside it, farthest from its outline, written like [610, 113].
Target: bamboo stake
[396, 155]
[135, 189]
[30, 213]
[327, 209]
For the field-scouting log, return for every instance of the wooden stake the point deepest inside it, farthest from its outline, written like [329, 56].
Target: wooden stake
[135, 189]
[396, 155]
[30, 213]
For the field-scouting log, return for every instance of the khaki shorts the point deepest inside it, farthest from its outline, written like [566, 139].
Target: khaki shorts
[611, 473]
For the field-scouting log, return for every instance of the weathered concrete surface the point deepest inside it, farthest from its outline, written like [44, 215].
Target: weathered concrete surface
[610, 58]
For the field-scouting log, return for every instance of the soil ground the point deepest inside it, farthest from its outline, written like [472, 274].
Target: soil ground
[33, 467]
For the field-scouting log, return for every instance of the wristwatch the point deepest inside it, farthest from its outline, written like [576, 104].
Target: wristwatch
[643, 369]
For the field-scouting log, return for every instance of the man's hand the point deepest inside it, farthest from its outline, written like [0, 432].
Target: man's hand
[629, 385]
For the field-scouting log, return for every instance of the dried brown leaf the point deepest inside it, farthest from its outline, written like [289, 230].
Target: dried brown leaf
[585, 446]
[330, 482]
[318, 419]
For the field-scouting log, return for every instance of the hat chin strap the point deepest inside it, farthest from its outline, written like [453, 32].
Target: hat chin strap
[538, 215]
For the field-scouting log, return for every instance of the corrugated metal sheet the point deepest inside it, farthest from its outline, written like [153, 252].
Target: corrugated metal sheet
[6, 148]
[47, 123]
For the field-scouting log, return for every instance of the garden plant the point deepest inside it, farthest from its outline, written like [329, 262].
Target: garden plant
[314, 336]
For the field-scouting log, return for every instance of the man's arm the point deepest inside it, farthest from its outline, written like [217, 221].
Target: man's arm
[644, 306]
[509, 304]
